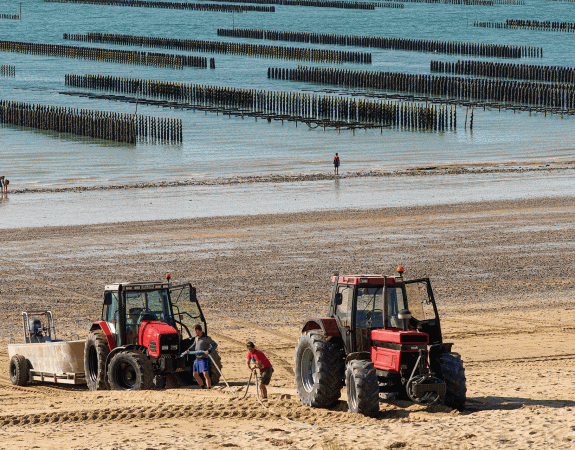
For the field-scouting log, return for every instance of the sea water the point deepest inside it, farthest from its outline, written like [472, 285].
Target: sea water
[215, 146]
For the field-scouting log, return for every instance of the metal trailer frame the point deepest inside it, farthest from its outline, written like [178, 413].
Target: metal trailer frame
[47, 358]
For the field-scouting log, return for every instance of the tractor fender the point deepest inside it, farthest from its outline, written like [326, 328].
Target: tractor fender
[123, 349]
[102, 325]
[327, 325]
[357, 356]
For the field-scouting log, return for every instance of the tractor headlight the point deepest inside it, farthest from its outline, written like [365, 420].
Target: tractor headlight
[174, 347]
[165, 347]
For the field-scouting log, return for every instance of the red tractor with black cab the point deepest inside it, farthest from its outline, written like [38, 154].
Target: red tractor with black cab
[144, 329]
[381, 336]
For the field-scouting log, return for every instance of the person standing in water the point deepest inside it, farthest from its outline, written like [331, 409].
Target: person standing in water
[336, 164]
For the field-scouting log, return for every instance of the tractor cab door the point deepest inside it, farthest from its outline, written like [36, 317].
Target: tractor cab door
[423, 309]
[343, 313]
[110, 313]
[187, 311]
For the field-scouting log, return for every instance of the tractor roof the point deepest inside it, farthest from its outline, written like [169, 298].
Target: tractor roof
[138, 286]
[373, 279]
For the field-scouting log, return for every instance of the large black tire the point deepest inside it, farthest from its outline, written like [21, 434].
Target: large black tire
[362, 387]
[214, 372]
[319, 370]
[130, 371]
[19, 370]
[453, 373]
[96, 352]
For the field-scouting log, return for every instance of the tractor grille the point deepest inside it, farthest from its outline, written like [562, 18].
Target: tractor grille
[169, 343]
[413, 338]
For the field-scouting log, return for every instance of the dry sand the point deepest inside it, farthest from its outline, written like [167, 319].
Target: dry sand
[503, 274]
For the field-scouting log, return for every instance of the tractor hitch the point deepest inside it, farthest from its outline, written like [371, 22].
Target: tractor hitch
[426, 385]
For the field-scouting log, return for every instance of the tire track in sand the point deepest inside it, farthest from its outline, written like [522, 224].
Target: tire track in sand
[232, 409]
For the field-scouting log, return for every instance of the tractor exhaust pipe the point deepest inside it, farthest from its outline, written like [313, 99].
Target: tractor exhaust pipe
[404, 315]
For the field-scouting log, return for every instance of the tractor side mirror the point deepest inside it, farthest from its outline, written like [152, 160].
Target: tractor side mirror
[193, 297]
[107, 298]
[338, 298]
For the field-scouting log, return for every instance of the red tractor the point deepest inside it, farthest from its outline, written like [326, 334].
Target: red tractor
[380, 335]
[139, 341]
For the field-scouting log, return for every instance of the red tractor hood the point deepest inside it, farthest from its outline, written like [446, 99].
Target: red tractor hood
[152, 332]
[398, 336]
[394, 347]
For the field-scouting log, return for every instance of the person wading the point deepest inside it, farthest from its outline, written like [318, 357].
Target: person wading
[336, 164]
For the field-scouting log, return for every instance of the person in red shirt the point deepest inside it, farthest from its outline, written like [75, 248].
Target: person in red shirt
[257, 360]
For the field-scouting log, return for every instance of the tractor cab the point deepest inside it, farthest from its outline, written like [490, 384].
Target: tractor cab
[138, 312]
[139, 341]
[380, 334]
[364, 303]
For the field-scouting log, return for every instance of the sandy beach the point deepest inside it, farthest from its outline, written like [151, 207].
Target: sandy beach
[503, 278]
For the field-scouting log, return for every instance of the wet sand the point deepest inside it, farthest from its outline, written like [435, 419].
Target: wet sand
[503, 273]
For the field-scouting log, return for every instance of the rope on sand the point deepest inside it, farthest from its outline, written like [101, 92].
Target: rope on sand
[248, 386]
[199, 352]
[226, 381]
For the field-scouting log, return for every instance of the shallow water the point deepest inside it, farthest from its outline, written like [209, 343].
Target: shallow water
[54, 209]
[216, 146]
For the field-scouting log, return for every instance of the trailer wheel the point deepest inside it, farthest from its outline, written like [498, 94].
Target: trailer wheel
[214, 372]
[95, 354]
[362, 387]
[319, 370]
[130, 371]
[19, 370]
[453, 373]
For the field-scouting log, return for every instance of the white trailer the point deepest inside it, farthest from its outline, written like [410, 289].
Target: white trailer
[42, 357]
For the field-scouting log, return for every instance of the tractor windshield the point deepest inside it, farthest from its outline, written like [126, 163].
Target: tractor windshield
[369, 313]
[373, 306]
[148, 305]
[395, 303]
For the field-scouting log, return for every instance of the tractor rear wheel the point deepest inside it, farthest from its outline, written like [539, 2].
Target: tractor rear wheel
[319, 370]
[214, 372]
[362, 387]
[453, 373]
[130, 371]
[95, 353]
[19, 370]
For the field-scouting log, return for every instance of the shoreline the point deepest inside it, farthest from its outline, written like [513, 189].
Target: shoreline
[501, 168]
[251, 198]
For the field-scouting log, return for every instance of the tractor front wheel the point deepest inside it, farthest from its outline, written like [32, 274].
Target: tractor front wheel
[453, 373]
[319, 370]
[362, 387]
[19, 370]
[96, 351]
[130, 371]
